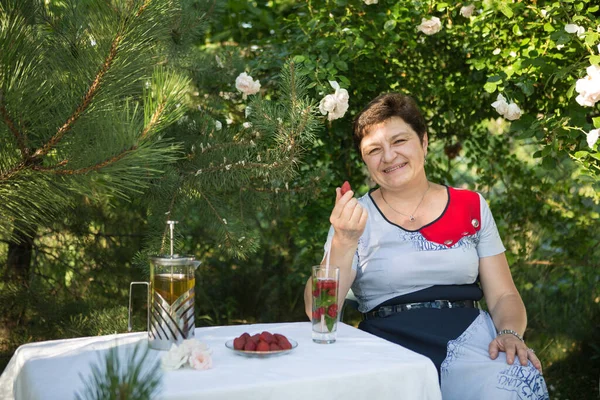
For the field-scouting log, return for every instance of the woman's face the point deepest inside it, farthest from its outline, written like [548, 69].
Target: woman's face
[393, 153]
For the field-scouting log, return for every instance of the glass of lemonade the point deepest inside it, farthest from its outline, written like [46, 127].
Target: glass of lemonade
[325, 287]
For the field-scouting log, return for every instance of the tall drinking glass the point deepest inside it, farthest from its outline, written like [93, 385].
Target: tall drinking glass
[325, 284]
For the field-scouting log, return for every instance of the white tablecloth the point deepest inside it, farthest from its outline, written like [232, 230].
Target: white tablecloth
[358, 366]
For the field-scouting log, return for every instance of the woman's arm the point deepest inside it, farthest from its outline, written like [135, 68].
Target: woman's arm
[506, 308]
[348, 219]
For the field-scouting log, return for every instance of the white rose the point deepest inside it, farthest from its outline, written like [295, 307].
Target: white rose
[342, 96]
[174, 359]
[338, 112]
[335, 105]
[430, 26]
[500, 105]
[588, 87]
[327, 104]
[513, 112]
[592, 137]
[245, 84]
[369, 2]
[467, 11]
[574, 28]
[200, 360]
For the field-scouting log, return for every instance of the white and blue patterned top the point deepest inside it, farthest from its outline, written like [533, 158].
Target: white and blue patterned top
[391, 261]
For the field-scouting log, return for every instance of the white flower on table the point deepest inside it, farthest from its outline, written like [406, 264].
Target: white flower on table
[592, 137]
[335, 105]
[588, 87]
[430, 26]
[189, 353]
[467, 11]
[174, 359]
[200, 360]
[245, 84]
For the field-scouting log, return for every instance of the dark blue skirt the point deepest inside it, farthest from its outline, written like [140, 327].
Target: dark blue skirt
[427, 331]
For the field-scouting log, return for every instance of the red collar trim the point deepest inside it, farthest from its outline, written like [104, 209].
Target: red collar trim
[461, 218]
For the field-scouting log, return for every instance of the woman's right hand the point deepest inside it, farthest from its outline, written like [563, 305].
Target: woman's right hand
[348, 217]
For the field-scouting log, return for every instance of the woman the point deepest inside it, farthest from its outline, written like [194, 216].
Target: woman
[419, 255]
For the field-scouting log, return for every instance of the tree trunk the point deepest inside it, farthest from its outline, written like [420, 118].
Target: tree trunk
[20, 250]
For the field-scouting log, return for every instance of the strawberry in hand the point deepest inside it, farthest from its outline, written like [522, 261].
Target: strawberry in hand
[345, 187]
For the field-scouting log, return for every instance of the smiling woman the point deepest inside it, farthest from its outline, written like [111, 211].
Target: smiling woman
[419, 255]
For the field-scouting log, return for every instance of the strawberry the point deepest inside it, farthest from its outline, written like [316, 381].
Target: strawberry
[267, 337]
[283, 342]
[255, 338]
[331, 292]
[316, 292]
[345, 187]
[246, 336]
[278, 337]
[329, 284]
[318, 312]
[262, 346]
[239, 343]
[250, 346]
[274, 347]
[332, 310]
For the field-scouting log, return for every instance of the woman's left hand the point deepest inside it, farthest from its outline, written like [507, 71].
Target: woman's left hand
[513, 347]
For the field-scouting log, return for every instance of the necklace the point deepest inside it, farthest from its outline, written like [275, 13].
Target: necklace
[411, 215]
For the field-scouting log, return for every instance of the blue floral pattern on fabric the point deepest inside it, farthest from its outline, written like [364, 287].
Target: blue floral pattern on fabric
[525, 382]
[420, 243]
[455, 346]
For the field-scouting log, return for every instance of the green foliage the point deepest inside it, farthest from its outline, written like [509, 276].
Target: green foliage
[110, 380]
[75, 120]
[538, 172]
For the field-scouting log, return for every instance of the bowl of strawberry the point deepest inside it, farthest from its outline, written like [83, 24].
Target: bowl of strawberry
[264, 344]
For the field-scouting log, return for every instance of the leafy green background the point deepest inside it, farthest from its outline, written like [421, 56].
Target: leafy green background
[538, 173]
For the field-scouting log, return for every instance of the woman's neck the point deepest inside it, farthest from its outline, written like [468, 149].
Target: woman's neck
[406, 193]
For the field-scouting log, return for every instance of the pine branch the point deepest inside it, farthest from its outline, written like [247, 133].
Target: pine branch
[154, 119]
[85, 170]
[139, 378]
[151, 124]
[21, 138]
[219, 217]
[87, 99]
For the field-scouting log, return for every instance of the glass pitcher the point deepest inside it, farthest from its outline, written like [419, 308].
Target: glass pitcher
[170, 300]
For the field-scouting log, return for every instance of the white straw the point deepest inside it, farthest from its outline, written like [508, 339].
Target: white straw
[328, 249]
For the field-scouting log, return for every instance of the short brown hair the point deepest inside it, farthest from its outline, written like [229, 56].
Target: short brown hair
[384, 107]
